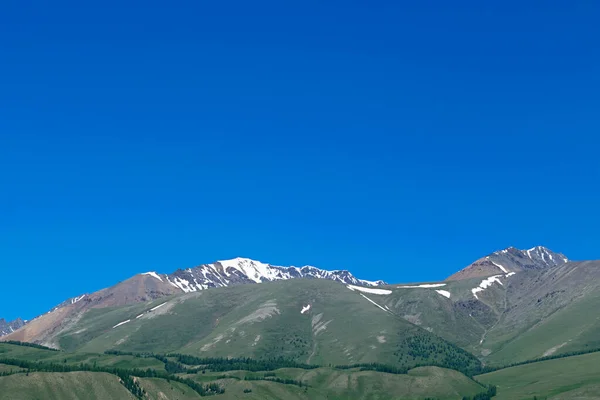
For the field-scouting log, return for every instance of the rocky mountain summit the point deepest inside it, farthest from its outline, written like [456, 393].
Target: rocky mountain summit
[8, 327]
[511, 260]
[244, 270]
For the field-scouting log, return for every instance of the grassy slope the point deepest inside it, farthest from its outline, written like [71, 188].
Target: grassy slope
[329, 383]
[62, 386]
[342, 327]
[569, 329]
[454, 319]
[160, 389]
[563, 378]
[8, 368]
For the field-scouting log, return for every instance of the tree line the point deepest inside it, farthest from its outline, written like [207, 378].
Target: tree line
[245, 364]
[25, 344]
[125, 375]
[275, 379]
[376, 367]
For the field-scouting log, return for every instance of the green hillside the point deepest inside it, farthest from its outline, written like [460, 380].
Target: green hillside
[33, 373]
[342, 326]
[330, 383]
[62, 386]
[10, 351]
[576, 377]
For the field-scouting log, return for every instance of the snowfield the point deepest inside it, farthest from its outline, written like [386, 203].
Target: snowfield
[369, 290]
[425, 285]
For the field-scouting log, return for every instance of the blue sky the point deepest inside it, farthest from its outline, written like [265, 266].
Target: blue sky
[399, 140]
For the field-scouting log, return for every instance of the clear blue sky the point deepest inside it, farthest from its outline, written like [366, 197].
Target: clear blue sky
[399, 140]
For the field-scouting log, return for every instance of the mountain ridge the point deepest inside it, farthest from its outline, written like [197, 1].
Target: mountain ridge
[510, 260]
[152, 285]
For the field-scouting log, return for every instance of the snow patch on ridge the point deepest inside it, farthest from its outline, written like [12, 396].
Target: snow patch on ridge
[121, 323]
[153, 274]
[425, 285]
[76, 299]
[500, 266]
[485, 284]
[368, 290]
[444, 293]
[305, 309]
[158, 306]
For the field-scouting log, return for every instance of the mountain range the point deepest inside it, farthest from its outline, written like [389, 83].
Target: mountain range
[152, 285]
[511, 306]
[487, 308]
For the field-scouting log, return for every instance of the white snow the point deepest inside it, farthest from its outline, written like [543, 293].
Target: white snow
[184, 285]
[565, 259]
[500, 266]
[368, 290]
[154, 274]
[485, 284]
[158, 306]
[76, 299]
[168, 280]
[373, 302]
[254, 270]
[426, 285]
[121, 323]
[529, 252]
[139, 316]
[305, 309]
[509, 274]
[444, 293]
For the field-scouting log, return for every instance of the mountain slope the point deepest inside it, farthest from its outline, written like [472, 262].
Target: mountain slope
[63, 386]
[533, 304]
[510, 317]
[569, 378]
[511, 260]
[307, 320]
[151, 285]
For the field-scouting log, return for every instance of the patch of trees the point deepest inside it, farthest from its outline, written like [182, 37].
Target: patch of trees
[25, 344]
[376, 367]
[485, 370]
[275, 379]
[423, 350]
[487, 395]
[245, 364]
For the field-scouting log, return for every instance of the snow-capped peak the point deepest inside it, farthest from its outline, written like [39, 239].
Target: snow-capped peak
[245, 270]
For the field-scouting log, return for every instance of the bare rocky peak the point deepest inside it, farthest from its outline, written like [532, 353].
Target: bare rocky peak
[511, 260]
[8, 327]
